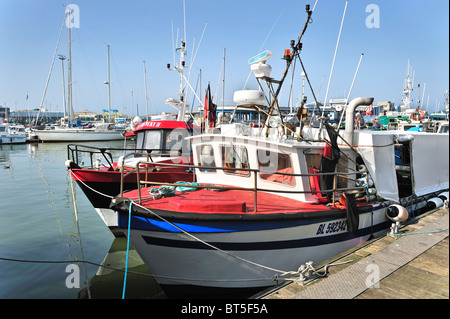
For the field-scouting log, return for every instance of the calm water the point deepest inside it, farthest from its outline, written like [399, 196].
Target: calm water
[37, 223]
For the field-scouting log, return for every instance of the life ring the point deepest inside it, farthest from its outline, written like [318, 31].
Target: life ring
[418, 115]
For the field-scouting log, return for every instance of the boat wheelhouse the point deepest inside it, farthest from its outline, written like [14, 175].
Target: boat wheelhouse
[11, 134]
[99, 176]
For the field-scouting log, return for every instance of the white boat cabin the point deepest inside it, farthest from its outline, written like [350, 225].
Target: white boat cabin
[249, 162]
[399, 164]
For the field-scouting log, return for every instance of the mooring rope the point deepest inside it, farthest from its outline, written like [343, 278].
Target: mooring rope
[282, 272]
[128, 252]
[79, 236]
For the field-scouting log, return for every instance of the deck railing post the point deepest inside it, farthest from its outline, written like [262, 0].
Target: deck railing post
[138, 177]
[255, 184]
[121, 176]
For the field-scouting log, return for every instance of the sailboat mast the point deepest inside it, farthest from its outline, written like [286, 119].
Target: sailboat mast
[180, 70]
[69, 71]
[62, 58]
[223, 83]
[145, 83]
[109, 89]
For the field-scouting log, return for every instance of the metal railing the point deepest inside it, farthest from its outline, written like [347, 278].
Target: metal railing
[77, 153]
[255, 189]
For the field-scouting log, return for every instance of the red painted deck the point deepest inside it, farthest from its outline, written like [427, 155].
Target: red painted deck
[204, 201]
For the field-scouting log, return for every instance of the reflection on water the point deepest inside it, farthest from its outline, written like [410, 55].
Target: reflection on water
[37, 223]
[108, 282]
[5, 150]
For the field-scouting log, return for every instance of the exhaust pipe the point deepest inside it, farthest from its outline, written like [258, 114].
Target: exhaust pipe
[349, 116]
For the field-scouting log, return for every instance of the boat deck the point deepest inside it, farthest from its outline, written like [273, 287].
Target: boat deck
[413, 266]
[207, 201]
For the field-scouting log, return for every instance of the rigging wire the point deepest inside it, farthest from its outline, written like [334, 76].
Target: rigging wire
[334, 57]
[263, 44]
[79, 235]
[51, 68]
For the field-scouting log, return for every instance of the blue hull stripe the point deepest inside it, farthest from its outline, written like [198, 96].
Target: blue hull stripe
[283, 244]
[150, 224]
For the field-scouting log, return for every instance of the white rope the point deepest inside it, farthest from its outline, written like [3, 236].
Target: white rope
[92, 189]
[334, 58]
[79, 236]
[282, 273]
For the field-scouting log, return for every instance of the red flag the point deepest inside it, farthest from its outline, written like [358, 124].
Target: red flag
[209, 113]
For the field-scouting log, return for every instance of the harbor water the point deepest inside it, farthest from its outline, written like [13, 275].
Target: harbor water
[41, 242]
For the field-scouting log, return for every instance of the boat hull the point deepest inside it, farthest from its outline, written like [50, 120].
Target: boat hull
[13, 139]
[243, 255]
[77, 136]
[100, 186]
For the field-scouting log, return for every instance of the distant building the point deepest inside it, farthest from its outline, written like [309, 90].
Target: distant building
[27, 116]
[4, 113]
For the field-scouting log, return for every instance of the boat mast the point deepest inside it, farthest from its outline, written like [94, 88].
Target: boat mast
[223, 83]
[407, 92]
[109, 88]
[145, 83]
[69, 71]
[62, 58]
[180, 105]
[446, 101]
[180, 69]
[296, 47]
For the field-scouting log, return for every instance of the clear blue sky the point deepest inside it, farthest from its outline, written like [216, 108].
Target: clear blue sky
[140, 30]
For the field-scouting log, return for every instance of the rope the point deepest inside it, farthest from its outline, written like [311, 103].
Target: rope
[282, 273]
[423, 233]
[166, 191]
[114, 268]
[92, 189]
[128, 251]
[79, 236]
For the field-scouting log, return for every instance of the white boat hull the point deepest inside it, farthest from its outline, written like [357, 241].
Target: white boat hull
[77, 135]
[250, 258]
[12, 139]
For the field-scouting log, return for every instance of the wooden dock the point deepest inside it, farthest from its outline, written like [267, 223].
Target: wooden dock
[414, 265]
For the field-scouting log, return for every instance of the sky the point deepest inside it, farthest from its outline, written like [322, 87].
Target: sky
[222, 36]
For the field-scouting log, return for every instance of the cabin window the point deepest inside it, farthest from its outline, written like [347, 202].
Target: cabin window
[205, 155]
[139, 140]
[235, 157]
[273, 166]
[152, 141]
[174, 141]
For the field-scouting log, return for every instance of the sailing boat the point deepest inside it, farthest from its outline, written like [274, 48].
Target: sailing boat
[70, 131]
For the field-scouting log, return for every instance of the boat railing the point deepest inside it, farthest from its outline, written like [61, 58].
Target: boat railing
[78, 154]
[144, 166]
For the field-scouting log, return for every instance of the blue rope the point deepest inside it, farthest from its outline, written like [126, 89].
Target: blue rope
[128, 250]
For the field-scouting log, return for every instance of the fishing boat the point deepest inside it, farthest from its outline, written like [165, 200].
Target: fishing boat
[270, 202]
[99, 175]
[406, 117]
[12, 134]
[156, 141]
